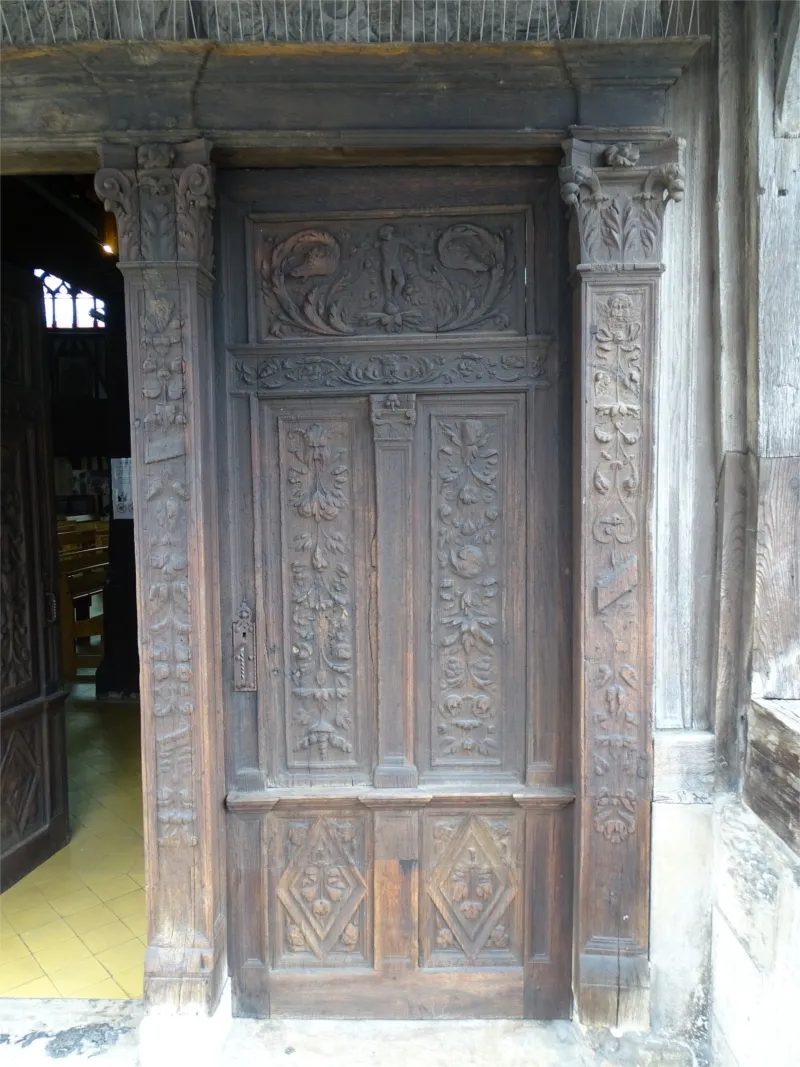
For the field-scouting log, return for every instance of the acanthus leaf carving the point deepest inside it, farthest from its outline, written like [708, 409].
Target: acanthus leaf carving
[163, 207]
[117, 190]
[619, 208]
[386, 277]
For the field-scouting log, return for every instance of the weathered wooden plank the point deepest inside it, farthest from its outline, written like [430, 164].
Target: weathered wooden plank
[59, 103]
[776, 621]
[778, 220]
[772, 771]
[735, 500]
[684, 459]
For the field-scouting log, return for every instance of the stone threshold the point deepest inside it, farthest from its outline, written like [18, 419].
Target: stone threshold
[116, 1033]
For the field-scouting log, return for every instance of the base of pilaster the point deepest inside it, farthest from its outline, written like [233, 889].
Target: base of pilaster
[396, 775]
[614, 991]
[193, 989]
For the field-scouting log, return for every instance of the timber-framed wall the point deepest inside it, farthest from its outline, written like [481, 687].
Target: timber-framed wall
[620, 169]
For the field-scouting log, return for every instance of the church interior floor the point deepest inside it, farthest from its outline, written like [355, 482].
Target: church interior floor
[75, 926]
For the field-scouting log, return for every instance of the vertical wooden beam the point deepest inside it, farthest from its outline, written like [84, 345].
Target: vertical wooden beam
[393, 419]
[162, 196]
[618, 195]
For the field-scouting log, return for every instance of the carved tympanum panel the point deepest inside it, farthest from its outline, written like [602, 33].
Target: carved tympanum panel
[476, 497]
[322, 897]
[387, 276]
[318, 486]
[470, 912]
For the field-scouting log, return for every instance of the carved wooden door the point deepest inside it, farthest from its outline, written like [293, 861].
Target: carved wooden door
[33, 780]
[396, 549]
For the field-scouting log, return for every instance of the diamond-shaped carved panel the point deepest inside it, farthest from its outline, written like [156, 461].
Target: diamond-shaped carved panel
[474, 889]
[322, 894]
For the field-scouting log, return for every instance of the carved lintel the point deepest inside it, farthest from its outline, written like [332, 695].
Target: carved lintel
[618, 195]
[244, 652]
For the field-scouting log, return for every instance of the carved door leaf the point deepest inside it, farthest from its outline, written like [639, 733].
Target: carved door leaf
[399, 813]
[386, 277]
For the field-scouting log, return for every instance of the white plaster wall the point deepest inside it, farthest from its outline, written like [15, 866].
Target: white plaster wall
[756, 943]
[680, 892]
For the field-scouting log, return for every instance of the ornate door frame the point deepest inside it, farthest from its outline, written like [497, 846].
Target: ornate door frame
[617, 188]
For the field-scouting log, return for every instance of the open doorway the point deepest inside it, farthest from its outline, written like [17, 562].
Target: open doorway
[72, 907]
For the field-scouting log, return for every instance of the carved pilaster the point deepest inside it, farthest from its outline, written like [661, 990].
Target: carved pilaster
[162, 198]
[394, 417]
[617, 195]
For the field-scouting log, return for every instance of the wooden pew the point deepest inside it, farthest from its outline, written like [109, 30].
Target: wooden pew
[82, 576]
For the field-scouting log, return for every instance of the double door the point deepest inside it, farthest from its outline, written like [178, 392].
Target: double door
[396, 480]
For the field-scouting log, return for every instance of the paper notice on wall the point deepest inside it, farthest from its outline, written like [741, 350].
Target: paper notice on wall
[121, 488]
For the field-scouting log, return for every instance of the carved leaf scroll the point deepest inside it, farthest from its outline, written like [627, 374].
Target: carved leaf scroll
[467, 629]
[390, 277]
[617, 760]
[320, 561]
[400, 370]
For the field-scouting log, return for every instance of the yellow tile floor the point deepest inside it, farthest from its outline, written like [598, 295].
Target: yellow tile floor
[75, 926]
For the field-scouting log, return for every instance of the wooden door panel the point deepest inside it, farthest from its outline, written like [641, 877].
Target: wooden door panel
[471, 914]
[321, 904]
[400, 822]
[472, 584]
[318, 524]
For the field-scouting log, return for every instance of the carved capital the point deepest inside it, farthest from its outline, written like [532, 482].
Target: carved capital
[163, 201]
[618, 194]
[394, 416]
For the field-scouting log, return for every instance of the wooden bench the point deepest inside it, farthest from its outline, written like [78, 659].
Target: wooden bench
[82, 576]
